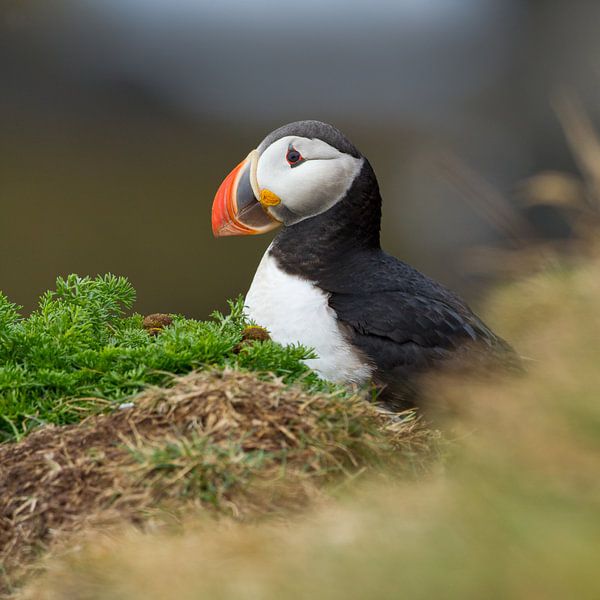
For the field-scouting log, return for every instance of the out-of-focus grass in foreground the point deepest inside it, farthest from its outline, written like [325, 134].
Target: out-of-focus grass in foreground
[515, 514]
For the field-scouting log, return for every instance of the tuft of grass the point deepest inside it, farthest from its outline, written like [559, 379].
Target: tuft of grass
[79, 353]
[195, 468]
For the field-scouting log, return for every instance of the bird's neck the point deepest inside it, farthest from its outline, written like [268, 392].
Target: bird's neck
[314, 246]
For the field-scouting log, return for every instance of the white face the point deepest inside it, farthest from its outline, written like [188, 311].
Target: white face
[311, 186]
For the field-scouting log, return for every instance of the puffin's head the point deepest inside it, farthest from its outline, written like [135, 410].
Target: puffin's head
[298, 171]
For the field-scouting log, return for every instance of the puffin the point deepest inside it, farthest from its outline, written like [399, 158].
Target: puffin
[325, 282]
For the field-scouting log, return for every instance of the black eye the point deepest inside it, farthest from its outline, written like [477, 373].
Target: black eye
[293, 157]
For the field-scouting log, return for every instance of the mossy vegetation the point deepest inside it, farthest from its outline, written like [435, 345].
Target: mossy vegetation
[79, 353]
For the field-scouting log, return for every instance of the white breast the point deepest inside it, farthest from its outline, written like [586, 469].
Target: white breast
[295, 311]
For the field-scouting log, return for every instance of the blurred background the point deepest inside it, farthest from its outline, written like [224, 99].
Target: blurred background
[119, 119]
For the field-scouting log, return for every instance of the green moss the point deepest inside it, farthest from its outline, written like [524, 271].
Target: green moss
[79, 350]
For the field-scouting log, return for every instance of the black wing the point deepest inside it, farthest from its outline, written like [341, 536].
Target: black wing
[395, 328]
[404, 334]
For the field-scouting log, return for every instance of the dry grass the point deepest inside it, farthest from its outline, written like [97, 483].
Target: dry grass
[516, 514]
[229, 442]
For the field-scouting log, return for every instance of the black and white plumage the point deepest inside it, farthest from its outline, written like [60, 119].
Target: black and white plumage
[325, 282]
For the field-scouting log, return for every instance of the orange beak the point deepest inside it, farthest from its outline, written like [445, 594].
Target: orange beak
[236, 210]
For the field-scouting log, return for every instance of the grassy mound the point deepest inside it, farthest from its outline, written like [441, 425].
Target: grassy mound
[225, 441]
[77, 354]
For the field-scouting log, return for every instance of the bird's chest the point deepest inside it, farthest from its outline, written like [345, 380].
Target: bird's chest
[295, 311]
